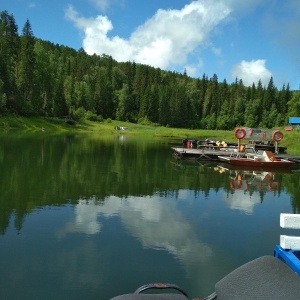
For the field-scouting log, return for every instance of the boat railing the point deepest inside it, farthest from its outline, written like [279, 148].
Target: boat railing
[247, 152]
[289, 248]
[250, 153]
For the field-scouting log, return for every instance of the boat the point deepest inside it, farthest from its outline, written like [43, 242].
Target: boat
[256, 159]
[230, 167]
[267, 277]
[274, 276]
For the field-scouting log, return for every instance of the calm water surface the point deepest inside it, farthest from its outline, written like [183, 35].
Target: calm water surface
[83, 217]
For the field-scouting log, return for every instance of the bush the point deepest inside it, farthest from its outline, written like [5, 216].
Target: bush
[90, 116]
[145, 121]
[79, 114]
[100, 119]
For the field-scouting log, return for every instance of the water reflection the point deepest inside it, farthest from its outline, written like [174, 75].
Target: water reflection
[251, 180]
[86, 213]
[158, 223]
[97, 217]
[248, 186]
[155, 223]
[242, 202]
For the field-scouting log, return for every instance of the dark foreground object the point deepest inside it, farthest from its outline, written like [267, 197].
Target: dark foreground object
[266, 277]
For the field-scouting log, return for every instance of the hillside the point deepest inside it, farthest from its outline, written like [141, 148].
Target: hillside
[41, 79]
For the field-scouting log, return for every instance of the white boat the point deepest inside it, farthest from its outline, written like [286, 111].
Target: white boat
[254, 159]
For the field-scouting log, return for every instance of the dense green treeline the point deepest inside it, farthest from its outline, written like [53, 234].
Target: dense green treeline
[39, 78]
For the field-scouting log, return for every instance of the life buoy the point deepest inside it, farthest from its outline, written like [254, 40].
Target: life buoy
[273, 186]
[277, 135]
[235, 184]
[240, 133]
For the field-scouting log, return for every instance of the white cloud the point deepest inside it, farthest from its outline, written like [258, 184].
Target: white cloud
[173, 39]
[164, 40]
[191, 70]
[101, 4]
[251, 72]
[217, 51]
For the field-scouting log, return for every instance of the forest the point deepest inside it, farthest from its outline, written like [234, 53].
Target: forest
[42, 79]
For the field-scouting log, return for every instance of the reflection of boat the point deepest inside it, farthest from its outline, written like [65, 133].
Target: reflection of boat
[266, 277]
[256, 180]
[265, 159]
[250, 179]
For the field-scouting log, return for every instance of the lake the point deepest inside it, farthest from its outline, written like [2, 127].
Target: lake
[88, 217]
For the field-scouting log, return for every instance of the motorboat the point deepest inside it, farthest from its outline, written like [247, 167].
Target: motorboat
[256, 159]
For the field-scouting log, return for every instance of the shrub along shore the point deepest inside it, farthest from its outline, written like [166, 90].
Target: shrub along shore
[53, 126]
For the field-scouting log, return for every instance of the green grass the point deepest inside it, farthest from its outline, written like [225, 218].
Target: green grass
[11, 124]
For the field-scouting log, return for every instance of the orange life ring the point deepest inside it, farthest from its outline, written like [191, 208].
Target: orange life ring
[240, 133]
[273, 186]
[235, 184]
[277, 135]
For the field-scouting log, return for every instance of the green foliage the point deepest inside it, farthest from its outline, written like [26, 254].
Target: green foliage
[145, 121]
[82, 114]
[3, 99]
[209, 122]
[294, 105]
[38, 78]
[79, 114]
[91, 116]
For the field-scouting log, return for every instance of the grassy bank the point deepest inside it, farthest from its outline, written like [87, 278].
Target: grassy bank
[58, 126]
[11, 124]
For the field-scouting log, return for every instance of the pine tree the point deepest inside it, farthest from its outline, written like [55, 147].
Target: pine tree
[26, 70]
[9, 48]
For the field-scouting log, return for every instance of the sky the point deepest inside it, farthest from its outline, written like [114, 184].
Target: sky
[250, 40]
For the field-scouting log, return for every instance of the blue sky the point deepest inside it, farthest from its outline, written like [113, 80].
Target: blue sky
[246, 39]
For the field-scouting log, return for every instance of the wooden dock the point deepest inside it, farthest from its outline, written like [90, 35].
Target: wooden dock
[212, 154]
[199, 154]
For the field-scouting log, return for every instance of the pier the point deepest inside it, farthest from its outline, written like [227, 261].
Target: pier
[207, 154]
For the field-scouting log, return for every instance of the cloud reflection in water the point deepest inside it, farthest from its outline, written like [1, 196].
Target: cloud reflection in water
[157, 223]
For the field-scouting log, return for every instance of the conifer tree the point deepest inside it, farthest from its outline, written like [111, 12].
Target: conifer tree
[9, 48]
[26, 70]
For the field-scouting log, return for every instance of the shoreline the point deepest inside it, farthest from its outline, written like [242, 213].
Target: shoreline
[56, 126]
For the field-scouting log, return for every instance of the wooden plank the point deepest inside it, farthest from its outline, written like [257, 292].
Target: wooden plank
[290, 242]
[290, 221]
